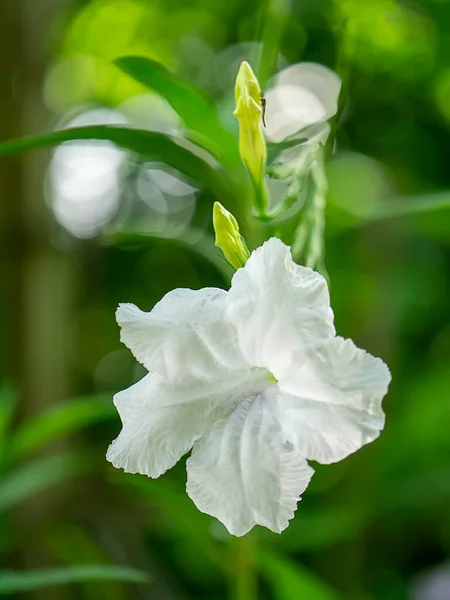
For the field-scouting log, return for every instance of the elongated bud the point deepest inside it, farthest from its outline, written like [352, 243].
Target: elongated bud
[249, 112]
[228, 238]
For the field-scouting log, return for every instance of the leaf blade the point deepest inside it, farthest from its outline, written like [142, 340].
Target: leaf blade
[41, 474]
[154, 145]
[193, 106]
[414, 205]
[60, 420]
[15, 582]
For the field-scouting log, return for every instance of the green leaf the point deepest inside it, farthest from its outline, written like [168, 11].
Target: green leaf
[425, 215]
[15, 582]
[155, 146]
[41, 474]
[291, 581]
[59, 421]
[401, 207]
[195, 108]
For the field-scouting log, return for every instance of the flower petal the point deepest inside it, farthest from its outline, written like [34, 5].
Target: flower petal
[245, 472]
[277, 307]
[155, 434]
[332, 400]
[184, 335]
[162, 420]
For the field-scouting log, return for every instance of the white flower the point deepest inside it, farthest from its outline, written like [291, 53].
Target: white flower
[255, 381]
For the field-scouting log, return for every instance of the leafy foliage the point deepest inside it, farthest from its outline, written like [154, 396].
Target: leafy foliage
[13, 582]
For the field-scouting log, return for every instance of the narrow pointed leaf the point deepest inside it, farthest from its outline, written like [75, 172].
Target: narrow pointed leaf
[403, 207]
[57, 422]
[195, 109]
[42, 474]
[153, 145]
[16, 582]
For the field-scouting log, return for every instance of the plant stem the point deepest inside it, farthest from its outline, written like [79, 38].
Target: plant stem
[246, 580]
[276, 13]
[309, 244]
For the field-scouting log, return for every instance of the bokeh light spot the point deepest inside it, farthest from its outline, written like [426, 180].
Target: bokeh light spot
[85, 178]
[301, 95]
[357, 183]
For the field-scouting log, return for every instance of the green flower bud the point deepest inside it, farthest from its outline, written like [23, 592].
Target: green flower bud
[249, 112]
[228, 238]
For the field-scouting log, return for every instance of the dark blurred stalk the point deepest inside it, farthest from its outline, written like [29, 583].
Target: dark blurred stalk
[36, 277]
[11, 168]
[47, 273]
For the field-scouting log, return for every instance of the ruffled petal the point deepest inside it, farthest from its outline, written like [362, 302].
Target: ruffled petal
[330, 400]
[278, 307]
[245, 472]
[185, 335]
[162, 420]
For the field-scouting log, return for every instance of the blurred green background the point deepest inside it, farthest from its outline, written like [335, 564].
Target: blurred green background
[90, 225]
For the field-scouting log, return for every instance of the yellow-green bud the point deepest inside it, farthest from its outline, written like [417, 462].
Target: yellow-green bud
[249, 111]
[228, 238]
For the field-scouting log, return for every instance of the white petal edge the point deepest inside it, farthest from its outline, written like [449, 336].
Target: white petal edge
[245, 472]
[162, 420]
[332, 400]
[278, 307]
[185, 335]
[154, 435]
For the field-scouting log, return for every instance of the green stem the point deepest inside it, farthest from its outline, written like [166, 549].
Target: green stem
[345, 35]
[276, 14]
[308, 244]
[316, 249]
[246, 581]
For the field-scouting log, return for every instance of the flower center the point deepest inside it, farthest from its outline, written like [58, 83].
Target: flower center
[271, 378]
